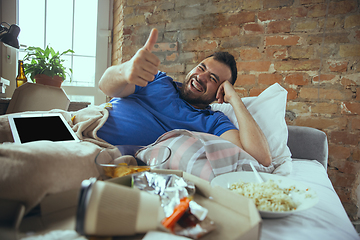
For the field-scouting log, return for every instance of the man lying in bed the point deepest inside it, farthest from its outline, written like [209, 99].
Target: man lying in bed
[148, 103]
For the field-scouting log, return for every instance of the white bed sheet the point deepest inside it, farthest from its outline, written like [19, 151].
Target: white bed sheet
[326, 220]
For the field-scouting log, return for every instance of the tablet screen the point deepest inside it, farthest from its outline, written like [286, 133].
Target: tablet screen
[35, 128]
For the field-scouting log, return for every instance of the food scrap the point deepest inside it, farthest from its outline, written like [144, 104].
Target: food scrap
[123, 169]
[107, 105]
[179, 211]
[73, 118]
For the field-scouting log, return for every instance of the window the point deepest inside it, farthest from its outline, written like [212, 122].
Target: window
[80, 25]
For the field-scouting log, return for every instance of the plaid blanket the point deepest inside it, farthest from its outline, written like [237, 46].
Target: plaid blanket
[204, 155]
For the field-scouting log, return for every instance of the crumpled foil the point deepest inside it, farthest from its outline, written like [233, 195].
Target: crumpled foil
[171, 188]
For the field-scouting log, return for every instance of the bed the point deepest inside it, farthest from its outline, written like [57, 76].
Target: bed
[327, 219]
[300, 153]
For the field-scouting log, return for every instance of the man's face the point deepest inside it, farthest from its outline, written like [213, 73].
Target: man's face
[201, 83]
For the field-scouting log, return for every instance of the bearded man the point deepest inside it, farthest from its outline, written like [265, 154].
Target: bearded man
[147, 103]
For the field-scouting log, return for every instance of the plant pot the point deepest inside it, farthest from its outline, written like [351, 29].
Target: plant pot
[55, 81]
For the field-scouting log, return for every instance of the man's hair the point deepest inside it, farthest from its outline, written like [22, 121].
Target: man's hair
[229, 60]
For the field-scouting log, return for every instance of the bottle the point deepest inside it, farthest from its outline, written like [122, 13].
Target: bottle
[21, 78]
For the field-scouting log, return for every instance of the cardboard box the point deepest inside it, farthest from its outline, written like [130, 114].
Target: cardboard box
[235, 216]
[37, 97]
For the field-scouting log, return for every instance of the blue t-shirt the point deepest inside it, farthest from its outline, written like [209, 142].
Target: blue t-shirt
[151, 111]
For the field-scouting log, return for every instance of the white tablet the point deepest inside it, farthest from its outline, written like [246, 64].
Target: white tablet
[29, 127]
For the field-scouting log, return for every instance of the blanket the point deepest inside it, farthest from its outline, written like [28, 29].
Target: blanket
[30, 171]
[202, 154]
[39, 168]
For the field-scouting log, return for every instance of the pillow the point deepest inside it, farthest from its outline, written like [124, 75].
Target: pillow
[202, 154]
[268, 110]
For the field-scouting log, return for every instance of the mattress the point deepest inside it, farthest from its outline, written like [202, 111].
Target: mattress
[326, 220]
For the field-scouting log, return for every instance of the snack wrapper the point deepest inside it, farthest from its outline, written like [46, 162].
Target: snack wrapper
[182, 215]
[169, 187]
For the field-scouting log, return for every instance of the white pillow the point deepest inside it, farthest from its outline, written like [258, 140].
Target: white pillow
[268, 110]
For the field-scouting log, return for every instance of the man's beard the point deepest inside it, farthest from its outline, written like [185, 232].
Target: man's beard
[199, 101]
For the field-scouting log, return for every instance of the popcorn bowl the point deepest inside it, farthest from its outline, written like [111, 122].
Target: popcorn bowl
[122, 160]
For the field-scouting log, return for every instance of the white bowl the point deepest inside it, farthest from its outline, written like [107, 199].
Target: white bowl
[300, 198]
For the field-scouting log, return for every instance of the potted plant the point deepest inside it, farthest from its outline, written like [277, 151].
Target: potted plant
[45, 66]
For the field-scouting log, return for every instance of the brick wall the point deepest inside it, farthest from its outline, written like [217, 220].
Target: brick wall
[310, 47]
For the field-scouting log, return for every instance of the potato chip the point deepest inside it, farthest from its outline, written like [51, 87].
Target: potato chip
[123, 169]
[109, 171]
[126, 170]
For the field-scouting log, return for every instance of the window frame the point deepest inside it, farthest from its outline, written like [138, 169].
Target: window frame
[103, 56]
[103, 51]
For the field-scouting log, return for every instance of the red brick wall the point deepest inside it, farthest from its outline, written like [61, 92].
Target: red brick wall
[309, 47]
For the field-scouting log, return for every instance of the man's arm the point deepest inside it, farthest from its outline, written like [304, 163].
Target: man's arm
[249, 136]
[120, 80]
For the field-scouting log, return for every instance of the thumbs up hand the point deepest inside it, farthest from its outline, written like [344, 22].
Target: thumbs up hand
[151, 41]
[120, 80]
[142, 67]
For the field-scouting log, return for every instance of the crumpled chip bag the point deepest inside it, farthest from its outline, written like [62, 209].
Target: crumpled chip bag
[183, 216]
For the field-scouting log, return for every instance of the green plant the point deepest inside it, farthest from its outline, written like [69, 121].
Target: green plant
[46, 62]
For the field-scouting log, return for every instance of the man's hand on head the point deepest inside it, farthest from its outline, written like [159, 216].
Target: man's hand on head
[226, 93]
[142, 67]
[249, 136]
